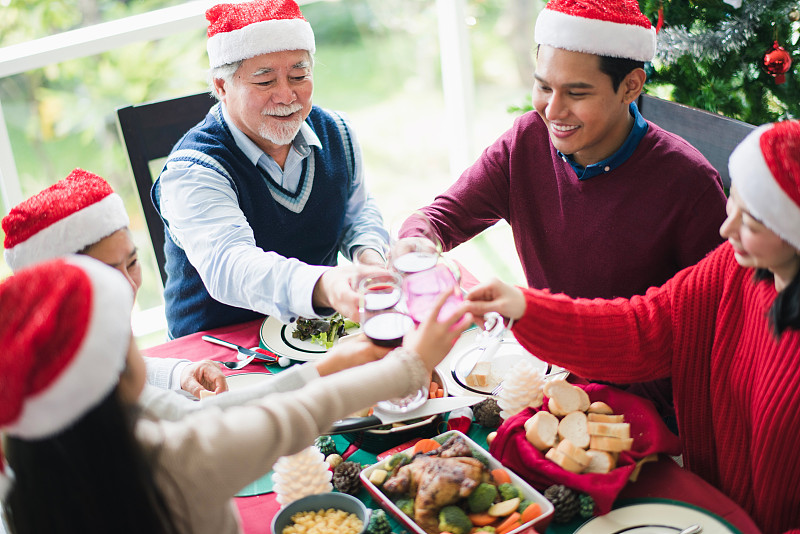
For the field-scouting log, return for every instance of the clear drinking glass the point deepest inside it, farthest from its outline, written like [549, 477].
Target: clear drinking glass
[385, 324]
[413, 245]
[421, 290]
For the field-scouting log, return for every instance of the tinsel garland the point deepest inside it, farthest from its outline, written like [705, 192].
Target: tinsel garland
[729, 36]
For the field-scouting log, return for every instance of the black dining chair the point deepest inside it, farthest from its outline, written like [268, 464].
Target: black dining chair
[149, 131]
[715, 136]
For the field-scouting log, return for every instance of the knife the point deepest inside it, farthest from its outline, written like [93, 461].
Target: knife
[243, 352]
[380, 417]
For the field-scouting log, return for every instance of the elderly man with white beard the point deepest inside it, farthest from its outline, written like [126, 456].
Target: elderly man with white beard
[260, 197]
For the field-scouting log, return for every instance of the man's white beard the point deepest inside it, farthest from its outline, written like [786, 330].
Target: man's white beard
[280, 133]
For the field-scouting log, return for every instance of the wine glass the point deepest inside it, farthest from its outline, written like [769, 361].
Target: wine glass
[413, 245]
[385, 325]
[381, 321]
[421, 290]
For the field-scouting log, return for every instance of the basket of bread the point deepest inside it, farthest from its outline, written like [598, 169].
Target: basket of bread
[589, 438]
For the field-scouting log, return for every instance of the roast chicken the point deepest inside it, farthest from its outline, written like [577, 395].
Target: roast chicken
[436, 480]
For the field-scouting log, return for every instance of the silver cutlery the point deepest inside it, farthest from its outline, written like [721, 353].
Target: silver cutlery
[243, 353]
[239, 364]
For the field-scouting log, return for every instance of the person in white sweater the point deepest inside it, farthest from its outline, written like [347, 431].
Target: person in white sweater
[75, 440]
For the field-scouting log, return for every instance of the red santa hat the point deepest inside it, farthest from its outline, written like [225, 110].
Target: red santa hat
[614, 28]
[64, 338]
[65, 218]
[248, 29]
[765, 169]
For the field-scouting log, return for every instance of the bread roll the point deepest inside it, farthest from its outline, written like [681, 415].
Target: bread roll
[555, 408]
[607, 443]
[614, 430]
[541, 430]
[574, 428]
[603, 418]
[584, 402]
[568, 397]
[600, 462]
[601, 408]
[567, 448]
[564, 461]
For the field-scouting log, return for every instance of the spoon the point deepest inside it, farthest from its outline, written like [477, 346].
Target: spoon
[239, 364]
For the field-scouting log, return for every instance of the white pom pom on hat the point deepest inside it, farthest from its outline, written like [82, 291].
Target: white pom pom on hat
[65, 218]
[614, 28]
[239, 31]
[765, 169]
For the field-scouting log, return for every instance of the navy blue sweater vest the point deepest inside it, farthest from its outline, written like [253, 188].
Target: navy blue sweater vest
[312, 235]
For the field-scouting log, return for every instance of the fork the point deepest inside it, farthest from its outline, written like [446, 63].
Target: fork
[239, 364]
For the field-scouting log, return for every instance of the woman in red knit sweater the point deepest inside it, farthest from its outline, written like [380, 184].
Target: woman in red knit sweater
[727, 331]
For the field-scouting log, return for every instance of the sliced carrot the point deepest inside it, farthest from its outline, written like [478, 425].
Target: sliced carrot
[509, 523]
[500, 476]
[432, 389]
[509, 528]
[426, 445]
[532, 511]
[481, 520]
[439, 393]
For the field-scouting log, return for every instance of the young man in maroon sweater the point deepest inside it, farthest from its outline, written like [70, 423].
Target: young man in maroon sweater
[601, 202]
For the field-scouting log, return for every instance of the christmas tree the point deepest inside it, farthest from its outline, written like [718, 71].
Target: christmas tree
[731, 57]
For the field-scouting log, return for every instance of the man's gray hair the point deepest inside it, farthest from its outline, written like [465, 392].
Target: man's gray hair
[227, 71]
[224, 72]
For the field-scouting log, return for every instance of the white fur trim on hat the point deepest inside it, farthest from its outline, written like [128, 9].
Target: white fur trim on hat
[259, 38]
[593, 36]
[761, 194]
[95, 369]
[71, 234]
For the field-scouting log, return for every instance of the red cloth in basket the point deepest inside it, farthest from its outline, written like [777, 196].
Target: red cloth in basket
[650, 435]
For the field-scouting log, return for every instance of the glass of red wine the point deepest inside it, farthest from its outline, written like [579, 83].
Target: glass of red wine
[385, 324]
[381, 320]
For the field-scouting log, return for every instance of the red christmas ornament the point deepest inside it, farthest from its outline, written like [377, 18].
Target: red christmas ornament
[777, 62]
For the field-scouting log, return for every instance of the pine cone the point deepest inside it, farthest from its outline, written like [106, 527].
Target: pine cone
[565, 501]
[345, 477]
[587, 505]
[487, 413]
[379, 523]
[326, 445]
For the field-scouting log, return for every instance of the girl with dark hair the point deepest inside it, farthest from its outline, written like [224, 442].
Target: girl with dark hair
[82, 459]
[729, 340]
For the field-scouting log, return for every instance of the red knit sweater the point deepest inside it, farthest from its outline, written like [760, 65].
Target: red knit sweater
[736, 388]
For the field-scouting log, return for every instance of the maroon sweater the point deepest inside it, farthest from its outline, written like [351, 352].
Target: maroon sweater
[736, 386]
[613, 235]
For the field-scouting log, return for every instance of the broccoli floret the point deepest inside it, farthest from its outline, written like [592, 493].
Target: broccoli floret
[453, 519]
[406, 506]
[487, 528]
[509, 491]
[398, 460]
[480, 457]
[482, 498]
[524, 503]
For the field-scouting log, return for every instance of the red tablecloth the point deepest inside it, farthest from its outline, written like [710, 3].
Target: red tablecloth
[662, 479]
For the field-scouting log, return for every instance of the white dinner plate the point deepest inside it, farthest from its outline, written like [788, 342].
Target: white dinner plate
[277, 337]
[665, 517]
[243, 380]
[463, 353]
